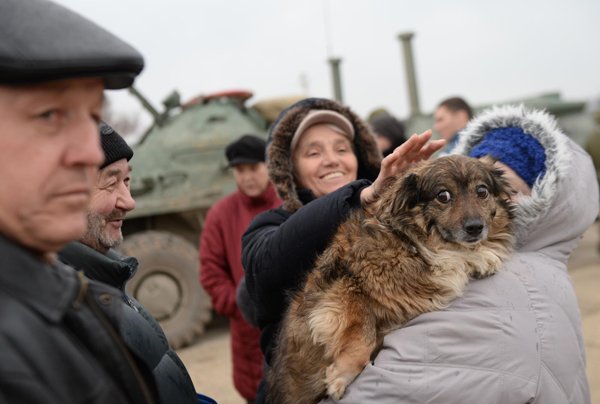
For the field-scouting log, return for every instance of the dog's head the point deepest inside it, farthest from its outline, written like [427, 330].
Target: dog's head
[460, 199]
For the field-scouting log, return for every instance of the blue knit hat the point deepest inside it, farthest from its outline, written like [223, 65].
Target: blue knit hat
[515, 148]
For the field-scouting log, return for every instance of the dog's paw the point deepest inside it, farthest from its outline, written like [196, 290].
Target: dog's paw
[336, 381]
[337, 388]
[478, 275]
[481, 273]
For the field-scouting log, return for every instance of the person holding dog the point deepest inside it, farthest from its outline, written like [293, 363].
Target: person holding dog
[324, 163]
[514, 337]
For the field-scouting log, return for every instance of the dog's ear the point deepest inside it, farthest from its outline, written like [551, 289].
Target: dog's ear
[495, 178]
[407, 196]
[503, 192]
[499, 186]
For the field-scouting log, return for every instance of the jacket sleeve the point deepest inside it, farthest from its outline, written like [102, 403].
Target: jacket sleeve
[245, 303]
[279, 248]
[215, 275]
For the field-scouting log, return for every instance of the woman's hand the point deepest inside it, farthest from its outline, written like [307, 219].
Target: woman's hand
[415, 149]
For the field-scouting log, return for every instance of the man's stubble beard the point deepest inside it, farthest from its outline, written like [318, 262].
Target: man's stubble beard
[95, 236]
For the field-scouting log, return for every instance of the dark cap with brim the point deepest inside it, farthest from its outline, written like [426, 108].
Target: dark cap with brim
[42, 41]
[248, 149]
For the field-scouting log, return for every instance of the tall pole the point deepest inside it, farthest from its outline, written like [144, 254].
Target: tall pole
[411, 76]
[336, 77]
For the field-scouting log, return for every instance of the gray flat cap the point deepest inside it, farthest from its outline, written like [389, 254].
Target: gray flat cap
[42, 41]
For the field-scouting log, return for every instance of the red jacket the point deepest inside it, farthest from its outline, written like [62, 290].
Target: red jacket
[221, 272]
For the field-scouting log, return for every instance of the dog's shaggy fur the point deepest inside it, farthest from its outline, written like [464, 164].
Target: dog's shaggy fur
[411, 252]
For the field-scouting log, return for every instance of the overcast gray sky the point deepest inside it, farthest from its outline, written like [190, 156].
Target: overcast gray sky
[482, 50]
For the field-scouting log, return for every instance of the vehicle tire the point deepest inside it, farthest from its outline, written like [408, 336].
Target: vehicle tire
[167, 284]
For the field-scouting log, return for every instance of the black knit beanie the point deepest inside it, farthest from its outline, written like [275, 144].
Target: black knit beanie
[113, 145]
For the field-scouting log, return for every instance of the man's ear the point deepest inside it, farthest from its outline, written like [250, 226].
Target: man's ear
[464, 116]
[408, 195]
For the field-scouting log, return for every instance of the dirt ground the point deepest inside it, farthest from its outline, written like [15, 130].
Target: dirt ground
[209, 359]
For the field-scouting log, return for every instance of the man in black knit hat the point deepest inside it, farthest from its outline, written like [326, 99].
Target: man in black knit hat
[94, 255]
[111, 198]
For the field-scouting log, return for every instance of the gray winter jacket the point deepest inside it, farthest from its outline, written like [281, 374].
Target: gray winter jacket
[514, 337]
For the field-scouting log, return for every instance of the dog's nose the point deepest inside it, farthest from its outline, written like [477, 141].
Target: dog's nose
[473, 227]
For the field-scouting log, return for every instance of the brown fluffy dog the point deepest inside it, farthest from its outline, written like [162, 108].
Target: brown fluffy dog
[412, 252]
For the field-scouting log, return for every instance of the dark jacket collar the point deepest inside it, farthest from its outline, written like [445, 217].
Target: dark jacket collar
[110, 268]
[47, 289]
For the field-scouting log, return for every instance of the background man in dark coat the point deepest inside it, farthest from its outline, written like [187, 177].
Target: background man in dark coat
[95, 256]
[60, 334]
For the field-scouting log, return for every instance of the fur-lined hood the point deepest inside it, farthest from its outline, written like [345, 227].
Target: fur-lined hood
[279, 159]
[564, 202]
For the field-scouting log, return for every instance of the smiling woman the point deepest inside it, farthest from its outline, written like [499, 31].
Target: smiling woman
[324, 163]
[324, 159]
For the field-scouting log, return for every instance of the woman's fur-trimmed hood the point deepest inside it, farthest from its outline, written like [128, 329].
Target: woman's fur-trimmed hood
[279, 159]
[553, 202]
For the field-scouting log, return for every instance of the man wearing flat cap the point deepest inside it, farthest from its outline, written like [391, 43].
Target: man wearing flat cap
[60, 333]
[94, 254]
[221, 250]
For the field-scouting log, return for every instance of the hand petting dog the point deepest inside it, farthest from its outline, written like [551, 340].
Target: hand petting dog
[415, 149]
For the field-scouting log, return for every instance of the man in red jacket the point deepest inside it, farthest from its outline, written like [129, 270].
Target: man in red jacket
[221, 248]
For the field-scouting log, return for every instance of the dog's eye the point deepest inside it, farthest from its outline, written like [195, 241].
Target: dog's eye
[444, 197]
[482, 192]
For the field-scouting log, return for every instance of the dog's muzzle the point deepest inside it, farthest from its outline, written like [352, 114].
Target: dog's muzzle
[473, 230]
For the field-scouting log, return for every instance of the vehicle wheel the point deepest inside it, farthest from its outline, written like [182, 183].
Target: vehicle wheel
[167, 284]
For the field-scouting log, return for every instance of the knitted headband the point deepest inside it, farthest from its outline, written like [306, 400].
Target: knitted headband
[515, 148]
[113, 145]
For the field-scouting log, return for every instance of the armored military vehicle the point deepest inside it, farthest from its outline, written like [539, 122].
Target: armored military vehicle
[179, 171]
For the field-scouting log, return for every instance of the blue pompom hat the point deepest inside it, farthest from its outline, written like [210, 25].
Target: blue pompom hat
[515, 148]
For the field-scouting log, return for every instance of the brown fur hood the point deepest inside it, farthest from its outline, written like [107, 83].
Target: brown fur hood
[279, 160]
